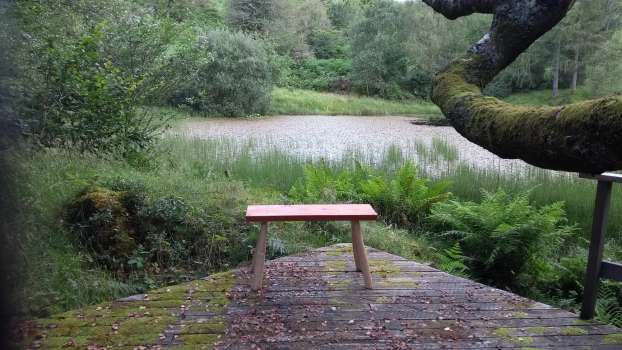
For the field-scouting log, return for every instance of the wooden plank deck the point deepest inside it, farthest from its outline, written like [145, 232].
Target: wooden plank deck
[317, 301]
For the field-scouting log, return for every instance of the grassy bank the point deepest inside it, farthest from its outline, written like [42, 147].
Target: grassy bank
[544, 97]
[306, 102]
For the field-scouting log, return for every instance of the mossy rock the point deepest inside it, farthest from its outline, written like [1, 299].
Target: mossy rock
[101, 223]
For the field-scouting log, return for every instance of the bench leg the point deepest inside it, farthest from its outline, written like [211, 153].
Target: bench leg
[360, 254]
[355, 252]
[259, 257]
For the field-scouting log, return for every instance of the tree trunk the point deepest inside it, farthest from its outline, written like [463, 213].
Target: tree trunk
[556, 65]
[575, 70]
[584, 137]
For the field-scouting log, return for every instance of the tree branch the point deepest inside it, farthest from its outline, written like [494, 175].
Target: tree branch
[453, 9]
[584, 137]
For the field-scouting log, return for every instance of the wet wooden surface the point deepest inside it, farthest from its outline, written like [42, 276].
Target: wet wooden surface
[311, 212]
[317, 301]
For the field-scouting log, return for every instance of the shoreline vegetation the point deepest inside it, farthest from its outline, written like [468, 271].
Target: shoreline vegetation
[287, 101]
[204, 185]
[307, 102]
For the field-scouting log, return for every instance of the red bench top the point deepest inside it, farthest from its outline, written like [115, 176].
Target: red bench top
[311, 212]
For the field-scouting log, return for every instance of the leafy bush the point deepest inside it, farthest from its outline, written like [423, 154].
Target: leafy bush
[320, 74]
[401, 198]
[136, 39]
[126, 230]
[418, 82]
[323, 184]
[251, 15]
[508, 241]
[222, 74]
[328, 44]
[342, 13]
[85, 102]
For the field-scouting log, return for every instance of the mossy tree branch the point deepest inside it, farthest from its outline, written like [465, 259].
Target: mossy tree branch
[584, 137]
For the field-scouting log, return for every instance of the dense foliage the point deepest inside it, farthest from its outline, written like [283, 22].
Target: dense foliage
[125, 230]
[227, 74]
[507, 241]
[380, 60]
[320, 74]
[80, 99]
[401, 197]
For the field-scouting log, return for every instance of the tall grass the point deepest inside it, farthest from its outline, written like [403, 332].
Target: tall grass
[301, 102]
[271, 167]
[544, 97]
[54, 276]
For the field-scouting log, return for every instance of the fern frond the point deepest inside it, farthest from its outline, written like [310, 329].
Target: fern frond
[452, 261]
[608, 308]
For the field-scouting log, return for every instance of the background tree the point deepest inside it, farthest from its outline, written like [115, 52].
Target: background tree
[380, 59]
[252, 15]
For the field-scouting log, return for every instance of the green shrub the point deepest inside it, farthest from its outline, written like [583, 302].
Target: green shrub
[452, 261]
[508, 241]
[222, 74]
[251, 15]
[328, 44]
[80, 99]
[320, 75]
[565, 284]
[342, 13]
[126, 230]
[323, 184]
[135, 40]
[401, 198]
[609, 303]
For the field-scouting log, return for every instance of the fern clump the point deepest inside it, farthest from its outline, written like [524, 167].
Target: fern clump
[608, 309]
[506, 240]
[453, 261]
[401, 197]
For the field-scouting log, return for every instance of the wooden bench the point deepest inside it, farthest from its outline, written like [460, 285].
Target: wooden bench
[354, 213]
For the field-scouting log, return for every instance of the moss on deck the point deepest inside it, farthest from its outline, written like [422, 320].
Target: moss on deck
[314, 301]
[144, 320]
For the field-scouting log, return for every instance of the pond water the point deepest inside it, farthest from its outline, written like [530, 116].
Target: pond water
[333, 137]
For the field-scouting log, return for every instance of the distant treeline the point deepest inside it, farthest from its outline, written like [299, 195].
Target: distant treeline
[223, 57]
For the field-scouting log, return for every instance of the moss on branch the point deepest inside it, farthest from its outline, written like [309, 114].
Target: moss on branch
[582, 137]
